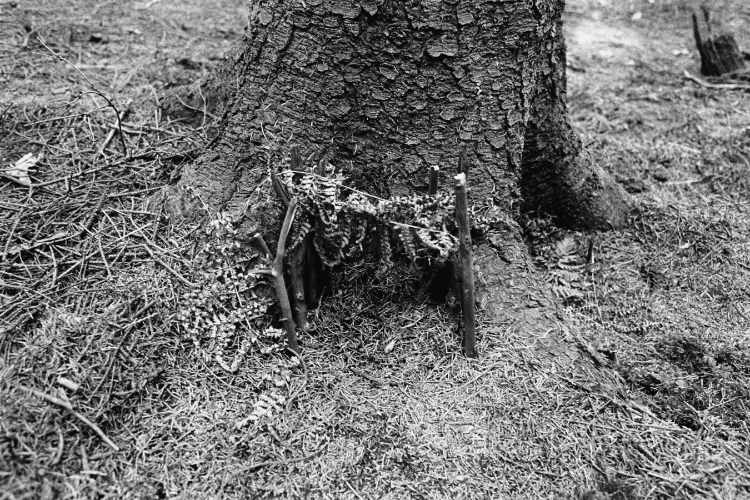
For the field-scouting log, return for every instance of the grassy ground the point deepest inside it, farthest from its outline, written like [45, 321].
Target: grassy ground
[648, 399]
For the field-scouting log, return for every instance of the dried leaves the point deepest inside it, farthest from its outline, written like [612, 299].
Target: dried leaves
[19, 171]
[349, 225]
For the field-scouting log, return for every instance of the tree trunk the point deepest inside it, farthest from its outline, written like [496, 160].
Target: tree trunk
[385, 90]
[720, 53]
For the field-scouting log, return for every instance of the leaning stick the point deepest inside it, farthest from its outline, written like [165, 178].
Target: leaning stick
[277, 272]
[115, 129]
[467, 266]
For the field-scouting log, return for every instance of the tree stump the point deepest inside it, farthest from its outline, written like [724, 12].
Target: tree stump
[720, 54]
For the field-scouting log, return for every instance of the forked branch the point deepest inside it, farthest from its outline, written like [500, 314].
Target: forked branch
[277, 272]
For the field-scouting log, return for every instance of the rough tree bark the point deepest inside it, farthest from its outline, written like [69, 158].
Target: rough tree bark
[719, 53]
[387, 89]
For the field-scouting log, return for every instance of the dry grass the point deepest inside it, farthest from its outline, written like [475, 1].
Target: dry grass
[86, 269]
[644, 395]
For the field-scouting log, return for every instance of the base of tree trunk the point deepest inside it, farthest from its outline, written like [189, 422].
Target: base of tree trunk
[206, 99]
[720, 54]
[560, 178]
[388, 91]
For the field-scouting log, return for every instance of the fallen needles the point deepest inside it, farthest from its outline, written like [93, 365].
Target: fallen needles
[67, 406]
[376, 382]
[270, 463]
[166, 266]
[125, 333]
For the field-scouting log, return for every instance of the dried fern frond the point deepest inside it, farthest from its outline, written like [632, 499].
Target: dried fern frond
[341, 217]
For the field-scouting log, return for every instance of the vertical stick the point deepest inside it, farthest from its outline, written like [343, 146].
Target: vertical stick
[463, 162]
[434, 171]
[467, 266]
[297, 261]
[277, 271]
[314, 277]
[697, 34]
[295, 160]
[297, 278]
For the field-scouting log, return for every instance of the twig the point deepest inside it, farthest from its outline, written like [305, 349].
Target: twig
[428, 229]
[68, 384]
[365, 376]
[297, 278]
[434, 171]
[202, 110]
[94, 89]
[591, 351]
[463, 162]
[262, 244]
[113, 130]
[717, 86]
[69, 177]
[467, 264]
[166, 266]
[60, 446]
[277, 271]
[86, 226]
[375, 381]
[280, 189]
[16, 221]
[127, 329]
[697, 32]
[313, 271]
[268, 463]
[297, 262]
[469, 382]
[66, 405]
[55, 238]
[126, 332]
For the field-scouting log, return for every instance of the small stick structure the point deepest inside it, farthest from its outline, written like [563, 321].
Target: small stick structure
[719, 54]
[466, 266]
[295, 315]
